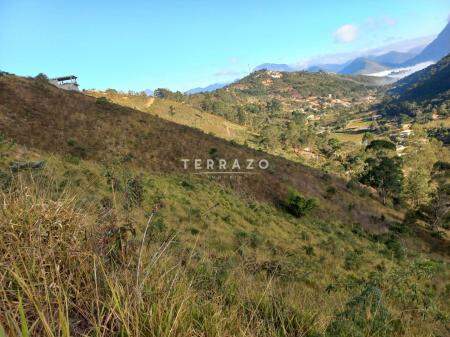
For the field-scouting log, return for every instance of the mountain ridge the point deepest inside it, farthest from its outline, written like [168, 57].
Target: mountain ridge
[362, 66]
[431, 82]
[208, 88]
[434, 51]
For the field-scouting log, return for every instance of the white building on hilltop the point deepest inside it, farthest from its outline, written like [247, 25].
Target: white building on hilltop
[66, 82]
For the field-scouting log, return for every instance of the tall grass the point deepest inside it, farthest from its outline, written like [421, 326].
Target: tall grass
[60, 275]
[64, 273]
[72, 268]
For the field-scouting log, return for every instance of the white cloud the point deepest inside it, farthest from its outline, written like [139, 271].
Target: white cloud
[346, 33]
[398, 45]
[448, 18]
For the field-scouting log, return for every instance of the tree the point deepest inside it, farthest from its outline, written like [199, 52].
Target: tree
[381, 145]
[240, 114]
[417, 187]
[162, 93]
[274, 106]
[298, 205]
[270, 136]
[385, 174]
[166, 93]
[292, 134]
[437, 212]
[42, 77]
[367, 138]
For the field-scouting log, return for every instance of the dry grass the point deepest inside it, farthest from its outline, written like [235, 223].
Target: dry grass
[78, 259]
[41, 116]
[181, 114]
[75, 269]
[355, 138]
[64, 274]
[438, 123]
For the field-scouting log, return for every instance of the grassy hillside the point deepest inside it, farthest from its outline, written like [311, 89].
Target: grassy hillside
[41, 116]
[103, 234]
[84, 254]
[179, 113]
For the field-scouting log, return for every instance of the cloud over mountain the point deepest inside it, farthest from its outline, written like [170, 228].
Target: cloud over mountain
[346, 33]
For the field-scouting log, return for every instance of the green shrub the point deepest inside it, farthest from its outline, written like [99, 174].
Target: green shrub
[5, 180]
[364, 315]
[194, 231]
[134, 193]
[330, 192]
[101, 101]
[187, 185]
[394, 247]
[353, 260]
[253, 239]
[299, 206]
[352, 184]
[71, 142]
[42, 77]
[76, 149]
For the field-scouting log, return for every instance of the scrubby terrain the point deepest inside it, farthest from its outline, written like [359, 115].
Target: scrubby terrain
[179, 113]
[102, 233]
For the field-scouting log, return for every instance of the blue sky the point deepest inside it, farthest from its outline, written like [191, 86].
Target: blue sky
[139, 44]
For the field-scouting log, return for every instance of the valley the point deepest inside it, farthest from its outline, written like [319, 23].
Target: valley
[309, 199]
[257, 248]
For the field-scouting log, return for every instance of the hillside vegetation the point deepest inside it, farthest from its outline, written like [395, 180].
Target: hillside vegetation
[93, 249]
[104, 234]
[422, 98]
[179, 113]
[263, 93]
[433, 81]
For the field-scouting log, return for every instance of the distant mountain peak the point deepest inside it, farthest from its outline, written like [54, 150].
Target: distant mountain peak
[436, 50]
[362, 65]
[208, 88]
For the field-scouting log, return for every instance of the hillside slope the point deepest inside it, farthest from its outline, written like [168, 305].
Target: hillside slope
[247, 100]
[108, 238]
[94, 248]
[179, 113]
[39, 115]
[431, 82]
[436, 50]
